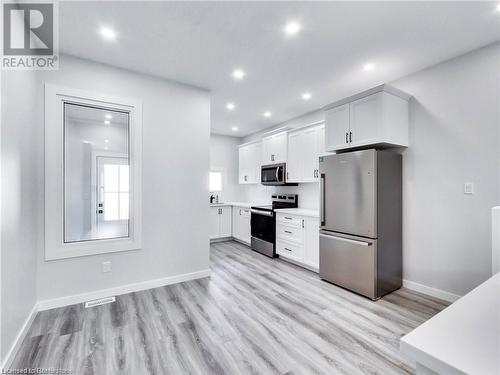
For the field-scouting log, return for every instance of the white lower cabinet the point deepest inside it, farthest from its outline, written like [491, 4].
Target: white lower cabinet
[241, 224]
[297, 239]
[220, 222]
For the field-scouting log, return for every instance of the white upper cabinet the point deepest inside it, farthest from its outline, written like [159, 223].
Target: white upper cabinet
[274, 149]
[337, 127]
[249, 157]
[376, 117]
[304, 148]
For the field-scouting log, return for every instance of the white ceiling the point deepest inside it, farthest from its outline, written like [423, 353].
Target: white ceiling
[200, 43]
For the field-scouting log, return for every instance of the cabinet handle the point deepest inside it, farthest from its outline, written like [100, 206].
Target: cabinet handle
[346, 137]
[287, 249]
[288, 218]
[287, 175]
[350, 137]
[287, 231]
[302, 223]
[240, 211]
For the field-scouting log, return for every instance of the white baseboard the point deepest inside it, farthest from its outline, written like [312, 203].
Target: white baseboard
[9, 358]
[124, 289]
[433, 292]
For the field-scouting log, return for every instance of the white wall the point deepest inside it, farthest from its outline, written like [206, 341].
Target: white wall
[454, 138]
[224, 155]
[176, 131]
[21, 199]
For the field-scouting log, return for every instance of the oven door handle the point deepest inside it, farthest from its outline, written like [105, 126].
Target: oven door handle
[263, 213]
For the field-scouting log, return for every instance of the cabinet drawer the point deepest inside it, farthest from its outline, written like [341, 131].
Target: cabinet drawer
[289, 250]
[289, 220]
[289, 232]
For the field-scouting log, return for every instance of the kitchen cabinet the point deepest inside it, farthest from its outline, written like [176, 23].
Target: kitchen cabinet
[249, 157]
[376, 117]
[220, 222]
[274, 149]
[241, 224]
[304, 148]
[297, 239]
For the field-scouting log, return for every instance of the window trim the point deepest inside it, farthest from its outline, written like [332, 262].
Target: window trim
[55, 247]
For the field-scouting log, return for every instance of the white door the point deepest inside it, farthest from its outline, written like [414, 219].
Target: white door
[112, 220]
[279, 149]
[245, 225]
[337, 127]
[295, 156]
[236, 222]
[214, 222]
[225, 228]
[267, 145]
[365, 118]
[309, 155]
[311, 241]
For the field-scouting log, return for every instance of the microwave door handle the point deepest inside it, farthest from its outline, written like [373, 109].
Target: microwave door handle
[322, 199]
[277, 171]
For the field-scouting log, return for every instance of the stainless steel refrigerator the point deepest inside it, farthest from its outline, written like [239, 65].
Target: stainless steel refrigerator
[361, 221]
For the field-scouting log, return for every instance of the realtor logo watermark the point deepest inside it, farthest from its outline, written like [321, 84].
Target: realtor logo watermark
[30, 38]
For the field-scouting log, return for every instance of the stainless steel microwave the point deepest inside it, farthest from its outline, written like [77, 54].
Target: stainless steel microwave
[274, 174]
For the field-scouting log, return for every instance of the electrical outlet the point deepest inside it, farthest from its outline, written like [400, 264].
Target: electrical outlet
[106, 266]
[468, 188]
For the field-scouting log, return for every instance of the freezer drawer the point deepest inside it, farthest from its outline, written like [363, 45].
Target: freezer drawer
[349, 261]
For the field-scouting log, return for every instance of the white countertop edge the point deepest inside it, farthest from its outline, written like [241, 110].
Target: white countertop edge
[440, 360]
[427, 360]
[238, 204]
[299, 212]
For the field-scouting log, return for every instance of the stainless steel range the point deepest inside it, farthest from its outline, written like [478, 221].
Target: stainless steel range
[263, 223]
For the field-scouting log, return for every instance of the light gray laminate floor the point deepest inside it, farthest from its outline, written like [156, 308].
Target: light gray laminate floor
[254, 315]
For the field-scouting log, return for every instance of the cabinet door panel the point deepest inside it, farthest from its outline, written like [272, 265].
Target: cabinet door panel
[245, 228]
[236, 223]
[280, 148]
[225, 222]
[366, 118]
[214, 222]
[336, 127]
[311, 242]
[309, 156]
[295, 156]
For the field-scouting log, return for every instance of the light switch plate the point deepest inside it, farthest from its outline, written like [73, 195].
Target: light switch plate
[106, 266]
[468, 188]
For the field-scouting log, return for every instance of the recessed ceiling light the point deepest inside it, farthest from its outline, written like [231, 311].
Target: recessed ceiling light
[108, 116]
[292, 28]
[107, 33]
[234, 128]
[267, 114]
[107, 122]
[306, 96]
[368, 67]
[230, 106]
[238, 74]
[106, 141]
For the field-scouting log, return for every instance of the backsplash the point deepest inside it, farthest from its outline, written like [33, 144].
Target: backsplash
[308, 194]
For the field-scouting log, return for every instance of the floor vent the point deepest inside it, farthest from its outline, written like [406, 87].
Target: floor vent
[98, 302]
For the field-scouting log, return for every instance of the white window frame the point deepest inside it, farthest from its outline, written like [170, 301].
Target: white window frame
[55, 247]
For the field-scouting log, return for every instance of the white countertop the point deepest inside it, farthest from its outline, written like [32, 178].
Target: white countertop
[464, 337]
[238, 204]
[298, 211]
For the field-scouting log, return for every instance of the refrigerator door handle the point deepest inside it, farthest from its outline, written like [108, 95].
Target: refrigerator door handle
[322, 199]
[362, 243]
